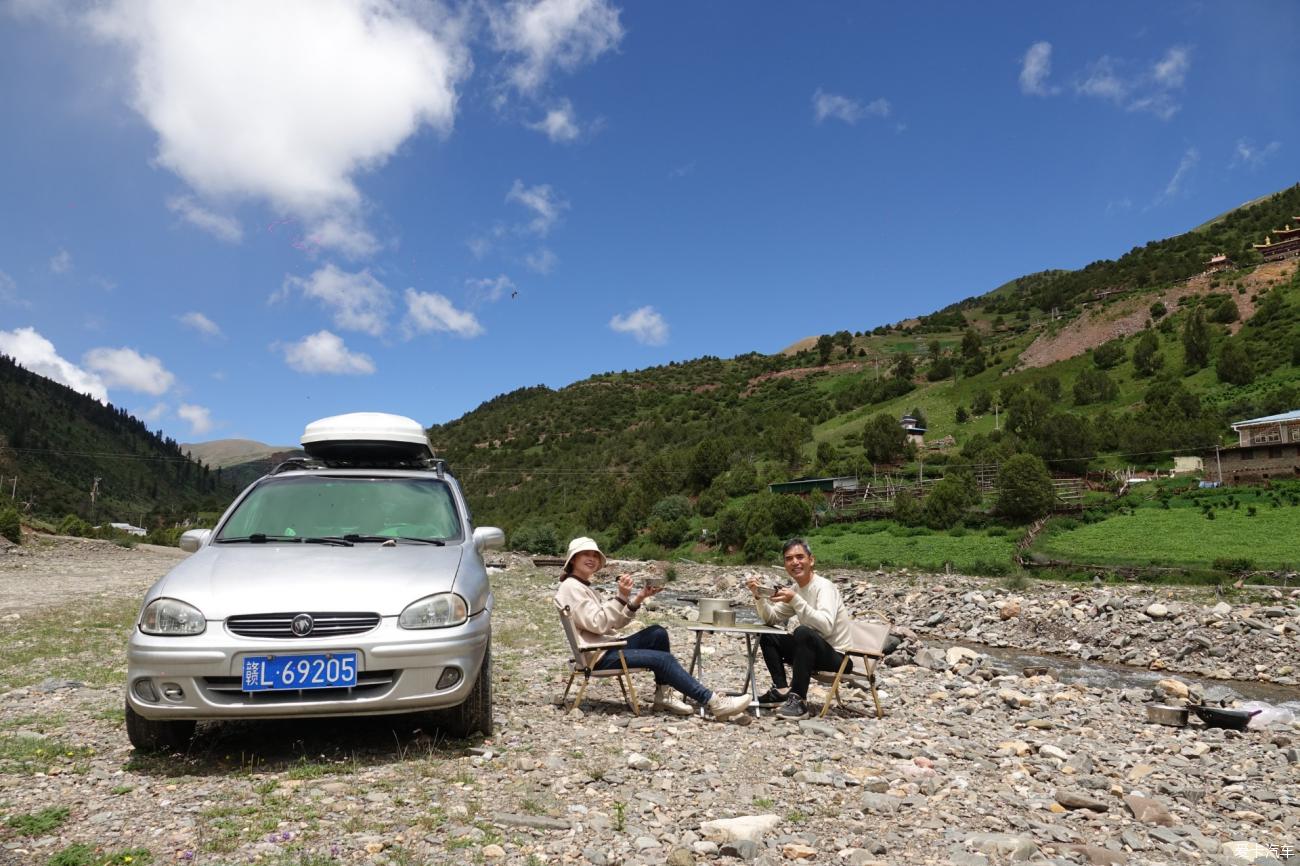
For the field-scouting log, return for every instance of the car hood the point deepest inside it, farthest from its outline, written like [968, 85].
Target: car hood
[279, 578]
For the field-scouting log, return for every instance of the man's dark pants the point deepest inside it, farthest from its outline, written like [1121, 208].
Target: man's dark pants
[806, 651]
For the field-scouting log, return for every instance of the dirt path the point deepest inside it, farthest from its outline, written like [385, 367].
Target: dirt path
[51, 570]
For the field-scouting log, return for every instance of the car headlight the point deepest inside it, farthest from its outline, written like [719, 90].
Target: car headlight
[435, 611]
[172, 618]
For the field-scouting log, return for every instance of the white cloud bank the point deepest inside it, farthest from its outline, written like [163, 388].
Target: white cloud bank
[544, 35]
[543, 201]
[33, 352]
[286, 102]
[645, 325]
[1152, 90]
[560, 124]
[324, 352]
[129, 369]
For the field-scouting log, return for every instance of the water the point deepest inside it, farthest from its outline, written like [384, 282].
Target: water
[1068, 669]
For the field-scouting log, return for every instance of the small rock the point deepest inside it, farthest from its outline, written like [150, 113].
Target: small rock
[1157, 611]
[816, 726]
[639, 762]
[795, 851]
[679, 857]
[1054, 752]
[1003, 846]
[493, 852]
[746, 827]
[1014, 699]
[745, 849]
[1079, 800]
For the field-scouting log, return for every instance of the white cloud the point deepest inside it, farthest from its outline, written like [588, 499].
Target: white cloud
[560, 124]
[33, 352]
[1175, 186]
[220, 227]
[1035, 69]
[9, 292]
[129, 369]
[201, 323]
[1152, 91]
[553, 34]
[199, 418]
[287, 102]
[1171, 70]
[61, 263]
[324, 352]
[832, 105]
[489, 289]
[645, 325]
[154, 413]
[358, 301]
[543, 261]
[542, 201]
[1246, 154]
[430, 311]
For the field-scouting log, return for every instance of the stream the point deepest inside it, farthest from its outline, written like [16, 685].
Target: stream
[1068, 669]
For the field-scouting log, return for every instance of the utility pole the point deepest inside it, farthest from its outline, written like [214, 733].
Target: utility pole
[94, 491]
[13, 491]
[1218, 464]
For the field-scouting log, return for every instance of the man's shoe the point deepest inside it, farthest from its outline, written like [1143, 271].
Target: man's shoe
[667, 700]
[771, 698]
[725, 706]
[794, 708]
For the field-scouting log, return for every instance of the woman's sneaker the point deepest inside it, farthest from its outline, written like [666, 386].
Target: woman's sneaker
[726, 706]
[666, 700]
[794, 708]
[771, 698]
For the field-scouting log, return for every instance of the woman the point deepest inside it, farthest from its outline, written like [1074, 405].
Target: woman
[597, 620]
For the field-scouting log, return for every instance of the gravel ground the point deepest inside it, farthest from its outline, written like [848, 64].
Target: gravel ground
[974, 763]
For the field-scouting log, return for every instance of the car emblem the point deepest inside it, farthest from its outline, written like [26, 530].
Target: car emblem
[302, 625]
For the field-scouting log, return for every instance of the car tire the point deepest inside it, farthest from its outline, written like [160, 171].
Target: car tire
[475, 714]
[158, 735]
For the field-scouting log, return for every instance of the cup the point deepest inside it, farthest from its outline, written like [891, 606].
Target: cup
[725, 618]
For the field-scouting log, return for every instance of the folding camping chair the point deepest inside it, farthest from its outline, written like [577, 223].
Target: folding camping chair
[579, 665]
[867, 648]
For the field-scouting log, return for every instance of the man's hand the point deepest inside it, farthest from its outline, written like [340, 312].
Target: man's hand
[784, 594]
[754, 588]
[625, 584]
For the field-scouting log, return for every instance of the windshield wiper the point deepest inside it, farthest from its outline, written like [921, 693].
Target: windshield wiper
[327, 539]
[257, 538]
[383, 538]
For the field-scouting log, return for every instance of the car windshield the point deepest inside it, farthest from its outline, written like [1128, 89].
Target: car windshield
[316, 506]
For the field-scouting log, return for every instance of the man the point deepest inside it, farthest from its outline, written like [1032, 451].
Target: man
[820, 636]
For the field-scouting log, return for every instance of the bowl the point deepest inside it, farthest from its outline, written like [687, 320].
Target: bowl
[1163, 714]
[654, 581]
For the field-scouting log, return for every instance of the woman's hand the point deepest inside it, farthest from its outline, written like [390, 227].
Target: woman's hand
[645, 593]
[625, 584]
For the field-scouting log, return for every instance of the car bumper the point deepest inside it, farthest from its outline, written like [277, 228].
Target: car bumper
[398, 671]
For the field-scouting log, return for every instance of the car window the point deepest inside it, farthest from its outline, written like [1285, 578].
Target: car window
[316, 505]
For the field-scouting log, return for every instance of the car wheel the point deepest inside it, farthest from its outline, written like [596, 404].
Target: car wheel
[157, 735]
[475, 715]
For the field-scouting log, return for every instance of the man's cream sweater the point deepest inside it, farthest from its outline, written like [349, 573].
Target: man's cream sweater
[817, 606]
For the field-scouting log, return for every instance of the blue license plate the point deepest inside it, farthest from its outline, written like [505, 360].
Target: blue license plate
[293, 672]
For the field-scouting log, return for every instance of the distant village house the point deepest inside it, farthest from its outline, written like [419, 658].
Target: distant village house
[915, 432]
[1219, 263]
[1267, 448]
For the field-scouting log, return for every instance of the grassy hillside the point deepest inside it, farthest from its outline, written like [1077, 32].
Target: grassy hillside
[57, 442]
[663, 458]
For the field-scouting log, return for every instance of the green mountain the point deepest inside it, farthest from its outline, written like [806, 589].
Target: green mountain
[640, 455]
[60, 445]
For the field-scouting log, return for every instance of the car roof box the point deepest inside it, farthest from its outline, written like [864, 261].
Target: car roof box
[369, 437]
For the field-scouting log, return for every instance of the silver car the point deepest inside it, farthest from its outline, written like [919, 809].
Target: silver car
[322, 591]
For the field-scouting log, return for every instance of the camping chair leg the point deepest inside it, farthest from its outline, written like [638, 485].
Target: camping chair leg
[875, 697]
[627, 675]
[565, 698]
[835, 689]
[577, 702]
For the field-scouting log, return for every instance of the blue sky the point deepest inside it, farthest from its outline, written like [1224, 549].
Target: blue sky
[235, 218]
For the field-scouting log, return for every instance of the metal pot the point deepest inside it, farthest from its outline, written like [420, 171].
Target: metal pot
[724, 618]
[1163, 714]
[709, 606]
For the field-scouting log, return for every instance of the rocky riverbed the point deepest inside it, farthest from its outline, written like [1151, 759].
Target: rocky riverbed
[974, 762]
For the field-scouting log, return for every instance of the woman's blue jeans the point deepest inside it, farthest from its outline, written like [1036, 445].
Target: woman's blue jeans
[648, 648]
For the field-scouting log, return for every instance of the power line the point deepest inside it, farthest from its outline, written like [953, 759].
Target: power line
[116, 455]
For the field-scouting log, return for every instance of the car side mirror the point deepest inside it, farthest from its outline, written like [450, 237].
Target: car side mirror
[489, 538]
[193, 539]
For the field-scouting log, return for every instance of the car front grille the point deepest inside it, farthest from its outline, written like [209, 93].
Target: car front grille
[229, 690]
[280, 625]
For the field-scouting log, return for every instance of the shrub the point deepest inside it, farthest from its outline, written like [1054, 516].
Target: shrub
[672, 508]
[669, 533]
[1233, 564]
[540, 538]
[74, 525]
[1109, 355]
[711, 500]
[1025, 489]
[946, 504]
[907, 510]
[10, 526]
[761, 548]
[731, 528]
